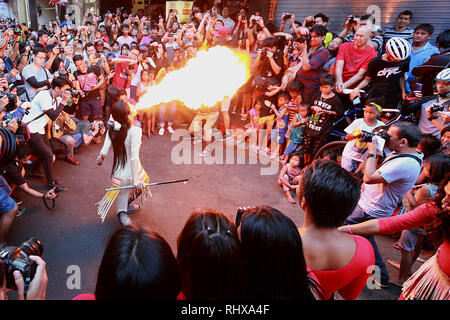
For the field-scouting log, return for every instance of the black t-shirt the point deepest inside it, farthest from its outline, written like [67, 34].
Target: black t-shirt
[318, 124]
[385, 76]
[265, 68]
[88, 80]
[266, 109]
[13, 173]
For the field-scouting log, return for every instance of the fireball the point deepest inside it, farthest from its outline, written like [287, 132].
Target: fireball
[206, 80]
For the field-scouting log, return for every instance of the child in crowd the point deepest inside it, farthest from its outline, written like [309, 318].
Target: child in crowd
[355, 151]
[326, 106]
[252, 131]
[289, 176]
[296, 135]
[282, 121]
[146, 116]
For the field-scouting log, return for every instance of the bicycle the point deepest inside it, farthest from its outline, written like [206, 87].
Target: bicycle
[389, 116]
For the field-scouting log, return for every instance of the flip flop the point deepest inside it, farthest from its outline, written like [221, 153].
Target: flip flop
[204, 153]
[133, 208]
[396, 245]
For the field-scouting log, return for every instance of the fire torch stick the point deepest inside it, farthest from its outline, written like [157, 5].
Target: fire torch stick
[149, 184]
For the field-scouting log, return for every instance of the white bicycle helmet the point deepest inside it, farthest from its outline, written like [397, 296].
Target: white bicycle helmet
[398, 48]
[444, 75]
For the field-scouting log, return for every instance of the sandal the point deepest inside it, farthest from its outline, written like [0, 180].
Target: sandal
[133, 208]
[204, 153]
[197, 141]
[396, 245]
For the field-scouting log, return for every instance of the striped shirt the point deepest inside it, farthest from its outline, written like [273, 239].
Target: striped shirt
[310, 79]
[406, 34]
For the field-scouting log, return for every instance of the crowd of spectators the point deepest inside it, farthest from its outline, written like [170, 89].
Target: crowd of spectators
[58, 84]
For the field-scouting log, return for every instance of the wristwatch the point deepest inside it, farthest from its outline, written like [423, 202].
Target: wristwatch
[372, 155]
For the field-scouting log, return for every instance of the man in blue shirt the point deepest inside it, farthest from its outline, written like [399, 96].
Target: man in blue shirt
[422, 50]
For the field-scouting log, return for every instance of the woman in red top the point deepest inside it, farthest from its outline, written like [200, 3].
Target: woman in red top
[328, 194]
[432, 280]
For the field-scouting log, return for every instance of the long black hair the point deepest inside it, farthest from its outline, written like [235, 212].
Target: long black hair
[273, 256]
[138, 264]
[120, 111]
[209, 256]
[440, 228]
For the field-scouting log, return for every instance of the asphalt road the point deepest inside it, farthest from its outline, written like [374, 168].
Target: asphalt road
[74, 237]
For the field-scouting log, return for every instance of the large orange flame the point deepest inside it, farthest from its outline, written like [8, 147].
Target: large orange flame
[206, 80]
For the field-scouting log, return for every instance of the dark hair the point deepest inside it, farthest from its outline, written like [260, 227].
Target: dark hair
[441, 223]
[378, 100]
[325, 179]
[327, 79]
[368, 17]
[23, 150]
[284, 95]
[137, 264]
[77, 58]
[322, 16]
[125, 25]
[209, 256]
[405, 13]
[443, 39]
[38, 49]
[60, 82]
[89, 44]
[319, 29]
[42, 32]
[119, 111]
[114, 92]
[273, 256]
[125, 45]
[295, 86]
[408, 131]
[425, 27]
[439, 166]
[445, 130]
[270, 42]
[429, 145]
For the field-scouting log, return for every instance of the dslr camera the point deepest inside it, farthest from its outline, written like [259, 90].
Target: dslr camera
[287, 16]
[73, 93]
[303, 39]
[368, 136]
[434, 109]
[17, 258]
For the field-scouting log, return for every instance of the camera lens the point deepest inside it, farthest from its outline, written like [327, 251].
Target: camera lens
[32, 247]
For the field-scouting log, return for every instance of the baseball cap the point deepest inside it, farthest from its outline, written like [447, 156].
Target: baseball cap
[109, 54]
[222, 32]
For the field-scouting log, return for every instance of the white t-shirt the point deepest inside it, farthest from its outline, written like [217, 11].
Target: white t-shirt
[425, 125]
[381, 199]
[128, 40]
[40, 74]
[42, 102]
[355, 149]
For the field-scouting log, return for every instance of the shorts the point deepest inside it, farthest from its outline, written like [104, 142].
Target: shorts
[278, 135]
[292, 147]
[91, 107]
[6, 202]
[210, 117]
[270, 120]
[78, 137]
[225, 104]
[408, 240]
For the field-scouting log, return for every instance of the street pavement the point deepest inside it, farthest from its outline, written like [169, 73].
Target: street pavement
[74, 238]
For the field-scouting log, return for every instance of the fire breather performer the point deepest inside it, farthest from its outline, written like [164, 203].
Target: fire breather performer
[127, 169]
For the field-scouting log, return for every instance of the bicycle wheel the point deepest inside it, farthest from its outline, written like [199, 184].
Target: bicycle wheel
[335, 147]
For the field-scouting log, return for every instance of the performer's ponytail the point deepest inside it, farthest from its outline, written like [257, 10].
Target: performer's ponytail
[120, 112]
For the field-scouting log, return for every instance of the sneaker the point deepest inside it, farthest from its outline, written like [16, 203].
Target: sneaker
[57, 186]
[20, 211]
[170, 129]
[244, 117]
[124, 219]
[233, 110]
[161, 131]
[72, 160]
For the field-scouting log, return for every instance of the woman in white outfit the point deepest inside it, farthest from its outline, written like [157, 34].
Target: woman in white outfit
[125, 139]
